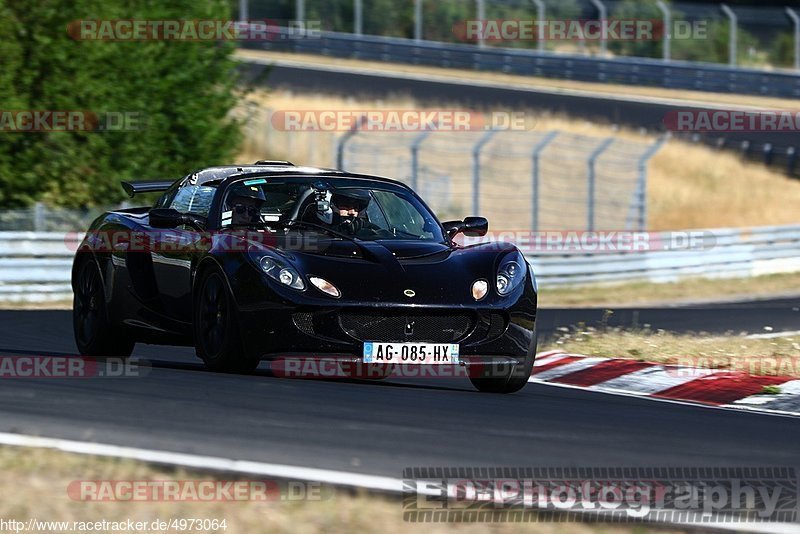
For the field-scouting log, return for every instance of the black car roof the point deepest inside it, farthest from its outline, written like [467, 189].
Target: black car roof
[235, 172]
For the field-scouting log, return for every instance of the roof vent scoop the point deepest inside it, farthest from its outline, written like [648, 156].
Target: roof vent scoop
[273, 162]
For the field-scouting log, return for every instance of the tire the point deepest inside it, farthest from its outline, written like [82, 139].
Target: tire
[510, 382]
[218, 341]
[94, 335]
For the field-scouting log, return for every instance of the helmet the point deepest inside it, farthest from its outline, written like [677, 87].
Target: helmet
[357, 198]
[253, 193]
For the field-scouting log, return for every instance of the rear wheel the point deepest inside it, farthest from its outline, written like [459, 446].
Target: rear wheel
[217, 339]
[94, 334]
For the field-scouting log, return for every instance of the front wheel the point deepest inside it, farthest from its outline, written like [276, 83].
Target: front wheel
[508, 379]
[217, 339]
[94, 335]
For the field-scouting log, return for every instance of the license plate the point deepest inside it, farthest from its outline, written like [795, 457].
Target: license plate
[410, 353]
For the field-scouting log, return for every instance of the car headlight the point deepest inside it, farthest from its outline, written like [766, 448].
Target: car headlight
[510, 273]
[479, 289]
[325, 286]
[282, 273]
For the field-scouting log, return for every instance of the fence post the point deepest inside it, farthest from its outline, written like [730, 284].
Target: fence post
[603, 16]
[667, 43]
[481, 7]
[796, 21]
[476, 169]
[243, 10]
[417, 20]
[537, 151]
[343, 141]
[641, 185]
[38, 217]
[268, 134]
[358, 17]
[592, 179]
[732, 34]
[540, 20]
[415, 157]
[300, 10]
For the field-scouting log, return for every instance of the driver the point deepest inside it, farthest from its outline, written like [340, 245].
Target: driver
[350, 211]
[246, 207]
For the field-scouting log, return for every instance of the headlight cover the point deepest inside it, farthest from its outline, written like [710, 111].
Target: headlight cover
[479, 289]
[325, 286]
[281, 272]
[510, 274]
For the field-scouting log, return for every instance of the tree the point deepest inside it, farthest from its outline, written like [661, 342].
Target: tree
[182, 92]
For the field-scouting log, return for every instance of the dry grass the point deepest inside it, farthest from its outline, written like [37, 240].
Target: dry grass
[689, 186]
[47, 305]
[688, 290]
[771, 357]
[34, 485]
[513, 80]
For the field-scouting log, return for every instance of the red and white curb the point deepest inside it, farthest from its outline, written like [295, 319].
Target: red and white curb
[710, 387]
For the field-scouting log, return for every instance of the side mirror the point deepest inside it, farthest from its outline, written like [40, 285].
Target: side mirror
[172, 218]
[475, 226]
[452, 227]
[470, 226]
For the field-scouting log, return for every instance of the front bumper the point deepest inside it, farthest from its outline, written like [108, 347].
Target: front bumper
[318, 331]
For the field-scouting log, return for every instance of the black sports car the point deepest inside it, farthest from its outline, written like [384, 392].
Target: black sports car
[273, 260]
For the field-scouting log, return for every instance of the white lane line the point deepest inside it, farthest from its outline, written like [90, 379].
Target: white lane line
[774, 335]
[568, 368]
[339, 478]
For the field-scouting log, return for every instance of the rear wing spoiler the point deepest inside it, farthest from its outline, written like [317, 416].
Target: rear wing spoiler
[133, 188]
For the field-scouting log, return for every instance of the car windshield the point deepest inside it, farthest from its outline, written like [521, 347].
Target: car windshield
[365, 212]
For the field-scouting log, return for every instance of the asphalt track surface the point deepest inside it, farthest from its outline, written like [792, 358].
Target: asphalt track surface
[381, 427]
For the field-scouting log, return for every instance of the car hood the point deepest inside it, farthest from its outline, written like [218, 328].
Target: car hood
[401, 272]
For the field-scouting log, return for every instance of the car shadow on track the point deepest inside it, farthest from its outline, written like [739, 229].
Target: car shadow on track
[263, 371]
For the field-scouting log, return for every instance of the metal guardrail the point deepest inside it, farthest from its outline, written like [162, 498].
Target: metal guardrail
[720, 253]
[621, 70]
[35, 267]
